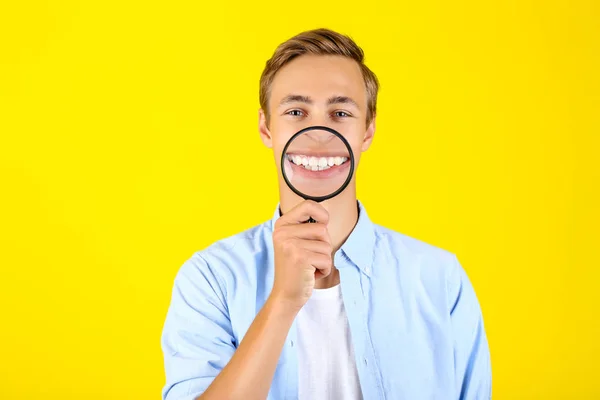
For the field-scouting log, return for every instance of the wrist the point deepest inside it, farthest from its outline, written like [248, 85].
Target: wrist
[282, 307]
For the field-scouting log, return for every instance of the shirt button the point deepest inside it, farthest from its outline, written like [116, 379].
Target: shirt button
[292, 343]
[365, 360]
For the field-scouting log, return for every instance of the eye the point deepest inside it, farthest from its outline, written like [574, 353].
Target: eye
[295, 113]
[341, 114]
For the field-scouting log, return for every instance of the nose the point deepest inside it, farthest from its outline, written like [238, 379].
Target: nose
[320, 136]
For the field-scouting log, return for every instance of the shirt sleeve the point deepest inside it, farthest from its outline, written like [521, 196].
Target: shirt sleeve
[471, 350]
[197, 339]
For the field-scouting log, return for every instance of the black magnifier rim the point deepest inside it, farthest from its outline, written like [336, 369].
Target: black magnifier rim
[318, 199]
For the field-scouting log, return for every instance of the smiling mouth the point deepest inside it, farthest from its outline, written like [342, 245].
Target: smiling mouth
[313, 163]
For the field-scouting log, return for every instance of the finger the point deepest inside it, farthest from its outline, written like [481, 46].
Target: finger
[313, 246]
[316, 231]
[302, 212]
[321, 262]
[320, 275]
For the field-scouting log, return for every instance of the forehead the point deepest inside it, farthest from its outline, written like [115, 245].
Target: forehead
[319, 77]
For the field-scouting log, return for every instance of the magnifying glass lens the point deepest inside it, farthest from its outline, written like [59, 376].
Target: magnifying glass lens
[317, 163]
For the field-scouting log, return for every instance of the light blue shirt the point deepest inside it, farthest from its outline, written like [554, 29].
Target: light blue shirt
[415, 321]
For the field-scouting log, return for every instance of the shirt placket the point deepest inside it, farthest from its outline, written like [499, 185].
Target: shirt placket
[354, 283]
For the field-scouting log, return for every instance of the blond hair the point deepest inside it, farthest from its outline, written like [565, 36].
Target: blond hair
[318, 42]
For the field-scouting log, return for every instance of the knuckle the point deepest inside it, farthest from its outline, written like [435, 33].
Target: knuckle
[323, 210]
[287, 246]
[279, 223]
[281, 233]
[277, 235]
[296, 257]
[313, 205]
[322, 230]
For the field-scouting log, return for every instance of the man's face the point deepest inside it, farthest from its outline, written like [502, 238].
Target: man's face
[318, 90]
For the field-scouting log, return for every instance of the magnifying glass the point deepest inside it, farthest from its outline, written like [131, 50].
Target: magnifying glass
[317, 163]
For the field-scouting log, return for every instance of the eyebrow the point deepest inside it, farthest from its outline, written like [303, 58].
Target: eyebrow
[296, 98]
[341, 100]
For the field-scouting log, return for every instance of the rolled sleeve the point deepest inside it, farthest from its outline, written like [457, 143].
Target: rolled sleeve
[197, 340]
[471, 350]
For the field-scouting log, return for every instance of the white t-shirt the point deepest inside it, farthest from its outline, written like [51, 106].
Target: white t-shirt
[326, 363]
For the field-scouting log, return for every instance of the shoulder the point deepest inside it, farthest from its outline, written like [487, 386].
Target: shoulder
[239, 256]
[436, 268]
[409, 247]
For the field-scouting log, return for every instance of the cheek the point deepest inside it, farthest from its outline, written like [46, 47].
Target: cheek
[279, 142]
[356, 145]
[280, 134]
[281, 137]
[357, 153]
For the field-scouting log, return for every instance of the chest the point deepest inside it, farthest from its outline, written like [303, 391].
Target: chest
[393, 335]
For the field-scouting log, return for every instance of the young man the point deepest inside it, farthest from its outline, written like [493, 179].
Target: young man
[338, 309]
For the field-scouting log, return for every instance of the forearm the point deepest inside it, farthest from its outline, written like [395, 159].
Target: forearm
[249, 373]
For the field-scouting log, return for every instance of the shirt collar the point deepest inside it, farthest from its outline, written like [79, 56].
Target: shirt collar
[359, 246]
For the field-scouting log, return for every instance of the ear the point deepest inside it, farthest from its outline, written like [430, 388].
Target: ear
[368, 139]
[263, 128]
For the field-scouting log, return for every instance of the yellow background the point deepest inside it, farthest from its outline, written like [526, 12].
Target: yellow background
[128, 140]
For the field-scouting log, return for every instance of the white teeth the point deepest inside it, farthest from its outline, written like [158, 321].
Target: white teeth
[316, 163]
